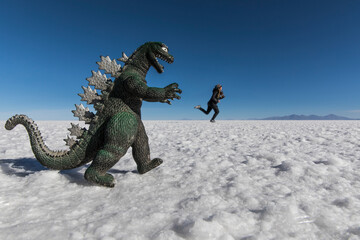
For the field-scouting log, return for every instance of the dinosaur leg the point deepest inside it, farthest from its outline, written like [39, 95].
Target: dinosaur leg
[120, 133]
[141, 152]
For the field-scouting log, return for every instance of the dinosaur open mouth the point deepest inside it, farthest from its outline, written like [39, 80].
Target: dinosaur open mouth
[164, 57]
[168, 60]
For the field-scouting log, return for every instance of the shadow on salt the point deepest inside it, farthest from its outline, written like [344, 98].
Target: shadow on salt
[24, 167]
[21, 167]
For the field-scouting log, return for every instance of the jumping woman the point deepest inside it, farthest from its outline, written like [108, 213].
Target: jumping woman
[212, 103]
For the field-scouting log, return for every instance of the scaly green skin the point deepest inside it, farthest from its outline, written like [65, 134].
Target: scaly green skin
[118, 125]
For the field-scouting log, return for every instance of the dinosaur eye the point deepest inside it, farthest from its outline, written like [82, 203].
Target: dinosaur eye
[165, 49]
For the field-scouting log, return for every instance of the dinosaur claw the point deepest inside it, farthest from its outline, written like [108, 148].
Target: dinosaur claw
[166, 101]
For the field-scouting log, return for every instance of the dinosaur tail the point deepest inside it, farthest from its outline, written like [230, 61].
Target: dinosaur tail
[58, 160]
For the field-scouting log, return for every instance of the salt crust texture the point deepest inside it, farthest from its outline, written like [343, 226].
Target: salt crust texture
[242, 180]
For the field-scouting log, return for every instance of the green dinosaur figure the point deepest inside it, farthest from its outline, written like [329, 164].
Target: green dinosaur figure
[117, 124]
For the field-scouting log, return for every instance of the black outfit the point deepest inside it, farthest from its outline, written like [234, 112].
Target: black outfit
[212, 103]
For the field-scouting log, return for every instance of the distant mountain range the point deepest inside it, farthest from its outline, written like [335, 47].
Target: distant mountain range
[309, 117]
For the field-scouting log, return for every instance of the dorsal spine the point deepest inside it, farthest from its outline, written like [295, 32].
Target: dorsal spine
[100, 82]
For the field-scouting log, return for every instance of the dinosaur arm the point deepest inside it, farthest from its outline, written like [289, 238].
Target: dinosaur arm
[152, 94]
[151, 100]
[162, 101]
[141, 90]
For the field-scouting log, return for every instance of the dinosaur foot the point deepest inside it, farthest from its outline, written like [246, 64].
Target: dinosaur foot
[106, 180]
[152, 164]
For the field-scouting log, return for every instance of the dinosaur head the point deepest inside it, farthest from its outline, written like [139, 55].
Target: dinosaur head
[155, 50]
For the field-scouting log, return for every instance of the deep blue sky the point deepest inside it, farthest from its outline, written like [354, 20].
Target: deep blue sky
[273, 57]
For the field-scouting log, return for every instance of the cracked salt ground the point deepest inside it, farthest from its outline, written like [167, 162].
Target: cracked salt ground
[240, 180]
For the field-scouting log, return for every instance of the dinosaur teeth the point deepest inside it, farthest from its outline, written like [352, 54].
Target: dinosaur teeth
[162, 58]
